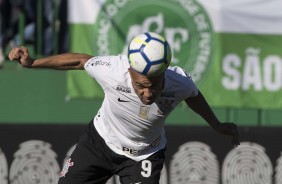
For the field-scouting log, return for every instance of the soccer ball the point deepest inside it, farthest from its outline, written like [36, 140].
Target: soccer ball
[149, 54]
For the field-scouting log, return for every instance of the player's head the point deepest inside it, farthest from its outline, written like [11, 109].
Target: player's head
[149, 56]
[146, 88]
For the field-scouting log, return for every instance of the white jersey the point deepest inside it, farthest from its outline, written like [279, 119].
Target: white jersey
[128, 126]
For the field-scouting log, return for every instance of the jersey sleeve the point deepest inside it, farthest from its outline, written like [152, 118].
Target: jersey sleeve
[185, 82]
[101, 68]
[193, 89]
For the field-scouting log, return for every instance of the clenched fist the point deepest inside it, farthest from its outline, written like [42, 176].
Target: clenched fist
[21, 55]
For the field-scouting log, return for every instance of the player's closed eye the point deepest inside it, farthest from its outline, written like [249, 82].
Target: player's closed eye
[140, 86]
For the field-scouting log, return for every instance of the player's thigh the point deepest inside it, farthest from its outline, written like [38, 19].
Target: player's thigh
[85, 165]
[147, 171]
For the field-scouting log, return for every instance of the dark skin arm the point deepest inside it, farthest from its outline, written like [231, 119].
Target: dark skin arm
[67, 61]
[199, 105]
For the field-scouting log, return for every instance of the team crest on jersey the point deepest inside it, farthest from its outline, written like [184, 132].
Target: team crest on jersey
[144, 112]
[65, 169]
[165, 106]
[123, 89]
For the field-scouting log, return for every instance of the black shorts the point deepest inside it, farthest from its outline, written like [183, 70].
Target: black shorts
[93, 162]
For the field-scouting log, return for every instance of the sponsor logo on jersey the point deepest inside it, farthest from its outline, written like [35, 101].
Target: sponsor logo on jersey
[167, 94]
[184, 23]
[96, 61]
[123, 89]
[130, 151]
[120, 100]
[65, 169]
[100, 63]
[134, 152]
[88, 64]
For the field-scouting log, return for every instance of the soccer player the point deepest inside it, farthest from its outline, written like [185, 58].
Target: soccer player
[126, 137]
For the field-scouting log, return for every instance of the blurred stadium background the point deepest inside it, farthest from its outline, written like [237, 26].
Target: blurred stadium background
[233, 49]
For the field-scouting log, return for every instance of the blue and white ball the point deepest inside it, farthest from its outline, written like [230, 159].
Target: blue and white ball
[149, 54]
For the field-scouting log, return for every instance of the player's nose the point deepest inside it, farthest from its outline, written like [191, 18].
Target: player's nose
[147, 93]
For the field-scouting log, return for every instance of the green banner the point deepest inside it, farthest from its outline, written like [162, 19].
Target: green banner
[246, 71]
[236, 61]
[79, 83]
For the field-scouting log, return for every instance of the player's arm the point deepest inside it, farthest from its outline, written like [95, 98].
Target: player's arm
[200, 106]
[67, 61]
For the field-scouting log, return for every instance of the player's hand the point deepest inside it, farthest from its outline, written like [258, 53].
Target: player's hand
[21, 55]
[229, 129]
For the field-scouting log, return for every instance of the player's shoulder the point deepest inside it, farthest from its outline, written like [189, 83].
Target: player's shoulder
[107, 68]
[177, 73]
[176, 77]
[180, 81]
